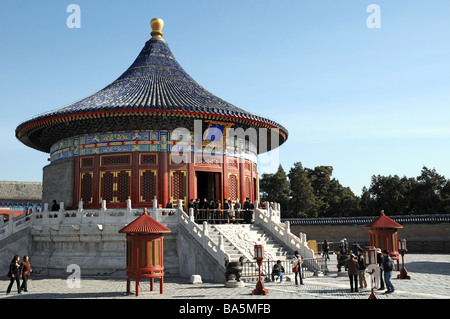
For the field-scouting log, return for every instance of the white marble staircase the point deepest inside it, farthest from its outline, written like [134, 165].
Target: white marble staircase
[240, 239]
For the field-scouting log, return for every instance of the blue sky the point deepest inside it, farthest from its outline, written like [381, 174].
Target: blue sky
[366, 101]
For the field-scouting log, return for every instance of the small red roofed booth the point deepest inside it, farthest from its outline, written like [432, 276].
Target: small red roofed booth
[145, 238]
[383, 234]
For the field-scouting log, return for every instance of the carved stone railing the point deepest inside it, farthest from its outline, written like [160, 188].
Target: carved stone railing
[14, 225]
[270, 219]
[84, 217]
[201, 235]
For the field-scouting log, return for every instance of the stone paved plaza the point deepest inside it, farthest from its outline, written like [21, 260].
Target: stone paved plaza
[429, 272]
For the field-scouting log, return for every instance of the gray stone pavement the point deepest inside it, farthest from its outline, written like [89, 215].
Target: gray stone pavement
[430, 279]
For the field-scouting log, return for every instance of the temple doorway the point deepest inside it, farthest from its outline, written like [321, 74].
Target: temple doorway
[209, 185]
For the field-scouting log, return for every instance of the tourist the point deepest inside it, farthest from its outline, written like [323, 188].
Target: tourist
[228, 211]
[204, 207]
[191, 204]
[297, 267]
[278, 270]
[25, 271]
[362, 269]
[355, 248]
[248, 207]
[379, 282]
[218, 211]
[352, 269]
[169, 204]
[388, 267]
[343, 248]
[326, 249]
[237, 209]
[14, 274]
[55, 206]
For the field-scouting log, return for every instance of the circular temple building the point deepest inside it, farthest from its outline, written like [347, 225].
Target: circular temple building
[154, 133]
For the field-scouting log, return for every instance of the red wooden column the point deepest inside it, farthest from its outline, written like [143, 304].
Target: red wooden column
[135, 179]
[163, 197]
[242, 196]
[191, 179]
[76, 182]
[225, 179]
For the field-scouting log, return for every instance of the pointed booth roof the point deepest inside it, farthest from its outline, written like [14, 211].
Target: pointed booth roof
[383, 222]
[154, 92]
[145, 224]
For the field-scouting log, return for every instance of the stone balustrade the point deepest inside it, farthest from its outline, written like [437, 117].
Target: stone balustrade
[200, 234]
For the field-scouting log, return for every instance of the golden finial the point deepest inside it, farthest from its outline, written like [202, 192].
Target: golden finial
[157, 25]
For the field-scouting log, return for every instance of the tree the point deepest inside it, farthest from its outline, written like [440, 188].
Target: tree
[427, 194]
[391, 193]
[302, 200]
[342, 202]
[275, 188]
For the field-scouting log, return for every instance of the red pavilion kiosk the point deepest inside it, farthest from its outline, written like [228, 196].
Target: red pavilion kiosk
[145, 251]
[383, 234]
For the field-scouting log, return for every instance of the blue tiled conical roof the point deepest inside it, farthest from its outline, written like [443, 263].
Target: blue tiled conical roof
[155, 84]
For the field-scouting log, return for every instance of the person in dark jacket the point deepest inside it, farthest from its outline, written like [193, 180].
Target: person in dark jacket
[326, 249]
[278, 270]
[388, 267]
[362, 269]
[353, 269]
[25, 271]
[14, 274]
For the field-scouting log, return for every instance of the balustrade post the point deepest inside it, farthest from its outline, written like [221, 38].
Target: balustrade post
[60, 212]
[10, 224]
[205, 234]
[221, 247]
[288, 231]
[154, 209]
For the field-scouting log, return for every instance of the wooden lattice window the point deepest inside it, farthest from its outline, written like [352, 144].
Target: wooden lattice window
[86, 185]
[123, 186]
[233, 186]
[87, 162]
[115, 186]
[232, 163]
[116, 160]
[178, 185]
[247, 187]
[148, 185]
[107, 191]
[148, 159]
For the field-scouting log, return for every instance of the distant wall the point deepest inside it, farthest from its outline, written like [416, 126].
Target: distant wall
[420, 237]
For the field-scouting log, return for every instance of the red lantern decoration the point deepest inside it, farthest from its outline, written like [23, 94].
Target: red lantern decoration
[402, 250]
[370, 258]
[259, 256]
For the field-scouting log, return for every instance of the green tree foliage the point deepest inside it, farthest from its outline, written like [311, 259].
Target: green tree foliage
[275, 188]
[302, 202]
[306, 192]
